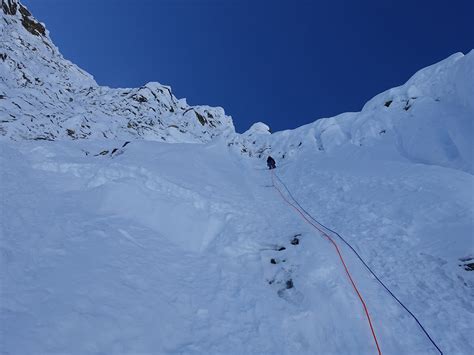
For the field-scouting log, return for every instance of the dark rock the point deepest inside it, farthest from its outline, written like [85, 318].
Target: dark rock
[273, 261]
[295, 241]
[140, 98]
[31, 25]
[281, 248]
[24, 11]
[104, 152]
[289, 284]
[467, 263]
[388, 103]
[469, 267]
[43, 139]
[201, 118]
[407, 105]
[71, 132]
[9, 7]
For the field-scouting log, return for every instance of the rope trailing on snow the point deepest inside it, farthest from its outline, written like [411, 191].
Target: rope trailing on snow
[340, 257]
[364, 263]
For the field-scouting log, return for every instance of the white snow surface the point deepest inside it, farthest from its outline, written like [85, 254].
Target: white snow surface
[113, 241]
[165, 248]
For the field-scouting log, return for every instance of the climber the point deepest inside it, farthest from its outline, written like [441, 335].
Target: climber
[271, 163]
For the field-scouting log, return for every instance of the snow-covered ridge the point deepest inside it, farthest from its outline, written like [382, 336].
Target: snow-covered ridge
[429, 120]
[44, 96]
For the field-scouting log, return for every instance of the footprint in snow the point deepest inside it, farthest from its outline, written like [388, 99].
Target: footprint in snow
[296, 239]
[289, 293]
[467, 263]
[282, 280]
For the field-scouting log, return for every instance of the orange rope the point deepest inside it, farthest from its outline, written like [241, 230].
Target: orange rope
[340, 257]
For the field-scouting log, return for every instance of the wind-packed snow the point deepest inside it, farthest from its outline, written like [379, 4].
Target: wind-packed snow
[168, 248]
[114, 242]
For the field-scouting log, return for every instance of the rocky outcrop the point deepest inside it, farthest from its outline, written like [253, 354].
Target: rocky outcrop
[10, 7]
[44, 96]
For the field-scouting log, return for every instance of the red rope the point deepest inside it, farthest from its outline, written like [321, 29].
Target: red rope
[340, 257]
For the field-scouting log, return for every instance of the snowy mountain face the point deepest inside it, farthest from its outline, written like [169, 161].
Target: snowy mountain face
[109, 243]
[424, 121]
[45, 97]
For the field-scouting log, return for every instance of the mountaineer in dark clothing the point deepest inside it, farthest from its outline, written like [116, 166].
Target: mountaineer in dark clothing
[271, 163]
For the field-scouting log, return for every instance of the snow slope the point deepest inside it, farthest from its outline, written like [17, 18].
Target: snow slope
[113, 241]
[135, 253]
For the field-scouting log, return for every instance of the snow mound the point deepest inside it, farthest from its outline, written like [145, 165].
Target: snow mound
[257, 128]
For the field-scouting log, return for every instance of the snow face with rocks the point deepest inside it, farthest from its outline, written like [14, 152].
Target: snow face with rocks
[45, 97]
[425, 120]
[113, 241]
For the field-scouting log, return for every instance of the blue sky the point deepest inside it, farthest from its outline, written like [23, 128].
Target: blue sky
[285, 63]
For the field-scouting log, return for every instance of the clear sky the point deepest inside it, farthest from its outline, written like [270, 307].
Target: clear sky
[285, 63]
